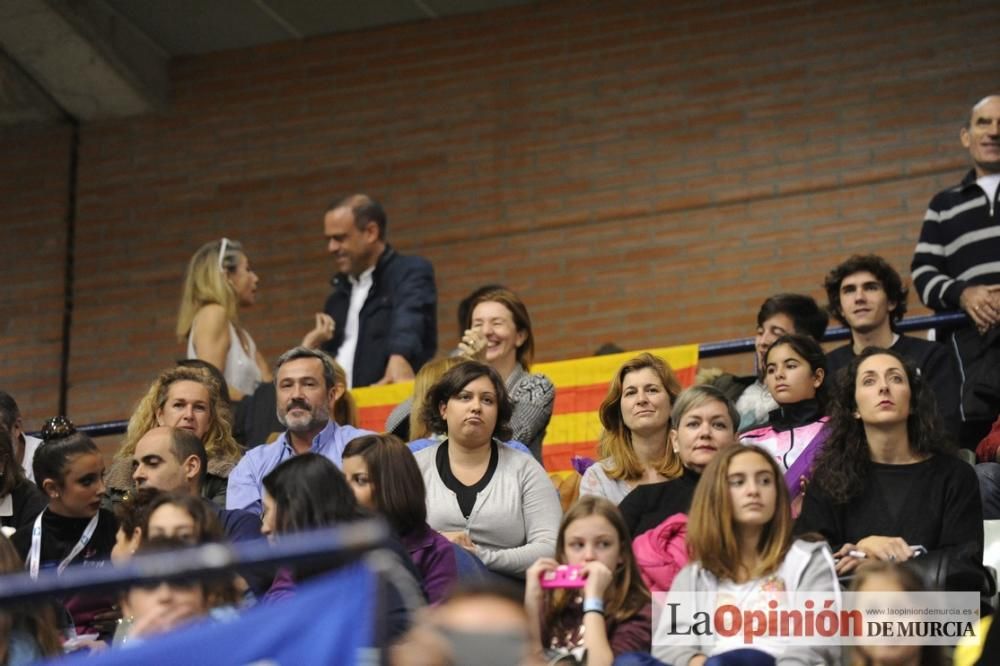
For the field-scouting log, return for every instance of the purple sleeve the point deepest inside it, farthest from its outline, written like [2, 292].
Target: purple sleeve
[434, 558]
[282, 587]
[634, 634]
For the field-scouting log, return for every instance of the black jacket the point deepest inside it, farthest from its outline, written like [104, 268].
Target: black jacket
[937, 366]
[398, 317]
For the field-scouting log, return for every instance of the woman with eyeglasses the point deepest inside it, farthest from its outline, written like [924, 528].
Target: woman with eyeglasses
[218, 283]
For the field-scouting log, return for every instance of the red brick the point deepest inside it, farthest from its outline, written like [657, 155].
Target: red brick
[644, 172]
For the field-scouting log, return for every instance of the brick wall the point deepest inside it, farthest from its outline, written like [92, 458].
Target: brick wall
[642, 172]
[34, 186]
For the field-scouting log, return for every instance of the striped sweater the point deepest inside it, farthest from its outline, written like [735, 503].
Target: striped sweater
[959, 245]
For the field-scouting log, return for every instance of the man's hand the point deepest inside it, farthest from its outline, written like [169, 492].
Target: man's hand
[322, 332]
[982, 303]
[398, 369]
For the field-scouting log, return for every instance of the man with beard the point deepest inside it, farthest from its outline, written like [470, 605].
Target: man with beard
[305, 386]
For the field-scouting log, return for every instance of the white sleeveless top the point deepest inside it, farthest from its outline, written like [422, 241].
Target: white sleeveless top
[241, 371]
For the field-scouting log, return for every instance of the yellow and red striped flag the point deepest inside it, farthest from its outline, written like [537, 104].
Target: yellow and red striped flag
[581, 385]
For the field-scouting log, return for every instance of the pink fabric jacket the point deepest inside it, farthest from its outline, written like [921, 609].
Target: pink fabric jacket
[661, 552]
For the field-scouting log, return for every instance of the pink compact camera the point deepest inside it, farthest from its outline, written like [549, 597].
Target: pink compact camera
[565, 575]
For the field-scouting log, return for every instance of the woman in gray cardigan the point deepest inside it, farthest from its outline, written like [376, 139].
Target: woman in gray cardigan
[494, 501]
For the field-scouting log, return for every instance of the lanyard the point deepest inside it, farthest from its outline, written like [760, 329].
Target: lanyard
[34, 555]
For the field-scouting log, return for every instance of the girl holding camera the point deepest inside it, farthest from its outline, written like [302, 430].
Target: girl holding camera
[610, 614]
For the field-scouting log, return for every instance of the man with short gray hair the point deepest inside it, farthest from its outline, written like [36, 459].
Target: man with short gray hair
[306, 386]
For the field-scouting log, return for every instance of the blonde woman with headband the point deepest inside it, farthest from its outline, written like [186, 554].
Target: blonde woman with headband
[218, 282]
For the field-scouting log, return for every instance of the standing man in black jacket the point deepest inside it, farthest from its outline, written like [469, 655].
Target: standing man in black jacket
[956, 264]
[384, 304]
[867, 295]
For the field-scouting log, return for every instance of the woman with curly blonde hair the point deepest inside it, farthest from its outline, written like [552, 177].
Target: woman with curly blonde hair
[190, 399]
[636, 419]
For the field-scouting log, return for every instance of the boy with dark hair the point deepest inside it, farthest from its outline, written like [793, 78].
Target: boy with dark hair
[779, 315]
[867, 295]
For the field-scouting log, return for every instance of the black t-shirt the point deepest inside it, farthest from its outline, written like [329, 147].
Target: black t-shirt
[60, 534]
[934, 503]
[466, 494]
[650, 504]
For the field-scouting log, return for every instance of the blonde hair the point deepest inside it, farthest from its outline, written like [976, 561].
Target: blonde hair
[616, 438]
[219, 442]
[428, 375]
[711, 537]
[345, 410]
[205, 282]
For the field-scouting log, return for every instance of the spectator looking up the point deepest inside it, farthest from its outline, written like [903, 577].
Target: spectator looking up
[887, 480]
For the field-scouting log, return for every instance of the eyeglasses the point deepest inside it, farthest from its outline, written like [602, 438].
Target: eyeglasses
[223, 246]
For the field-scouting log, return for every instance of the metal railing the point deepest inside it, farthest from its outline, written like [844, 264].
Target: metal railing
[334, 547]
[946, 320]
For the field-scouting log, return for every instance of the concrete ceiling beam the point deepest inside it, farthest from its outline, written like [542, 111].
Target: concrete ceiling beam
[90, 61]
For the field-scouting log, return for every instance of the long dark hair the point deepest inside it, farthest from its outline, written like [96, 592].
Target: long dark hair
[309, 492]
[11, 474]
[398, 486]
[845, 461]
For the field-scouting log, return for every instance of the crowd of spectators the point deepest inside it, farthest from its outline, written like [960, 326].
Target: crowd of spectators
[817, 471]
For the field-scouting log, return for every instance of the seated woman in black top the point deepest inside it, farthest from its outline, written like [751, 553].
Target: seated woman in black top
[74, 530]
[702, 423]
[887, 481]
